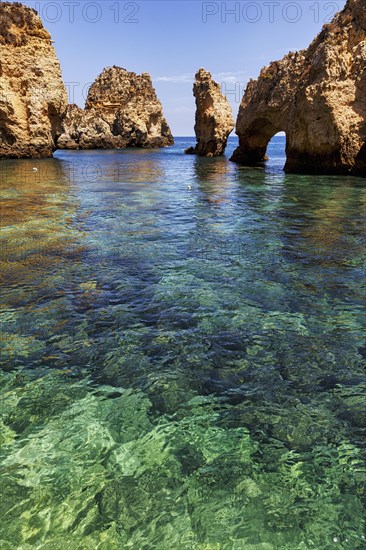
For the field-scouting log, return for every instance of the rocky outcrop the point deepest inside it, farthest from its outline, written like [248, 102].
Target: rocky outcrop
[121, 110]
[33, 97]
[214, 119]
[318, 97]
[85, 129]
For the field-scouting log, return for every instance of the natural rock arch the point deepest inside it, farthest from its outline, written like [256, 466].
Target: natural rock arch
[317, 97]
[253, 145]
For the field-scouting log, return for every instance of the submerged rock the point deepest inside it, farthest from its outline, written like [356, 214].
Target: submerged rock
[214, 119]
[122, 110]
[317, 96]
[33, 97]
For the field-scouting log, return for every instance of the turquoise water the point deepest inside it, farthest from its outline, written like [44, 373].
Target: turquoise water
[183, 354]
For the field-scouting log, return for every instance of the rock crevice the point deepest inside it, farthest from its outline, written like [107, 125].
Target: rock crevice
[317, 97]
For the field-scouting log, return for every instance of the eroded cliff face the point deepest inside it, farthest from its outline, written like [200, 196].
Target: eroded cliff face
[121, 110]
[318, 97]
[33, 97]
[214, 118]
[85, 129]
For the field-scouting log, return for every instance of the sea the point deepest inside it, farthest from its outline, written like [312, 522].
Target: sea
[183, 353]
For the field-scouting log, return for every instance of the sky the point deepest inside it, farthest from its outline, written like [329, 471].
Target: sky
[172, 39]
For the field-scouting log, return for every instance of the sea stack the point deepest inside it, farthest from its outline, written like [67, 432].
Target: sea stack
[33, 97]
[214, 119]
[121, 110]
[318, 97]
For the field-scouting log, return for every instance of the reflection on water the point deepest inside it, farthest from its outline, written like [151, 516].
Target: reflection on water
[183, 351]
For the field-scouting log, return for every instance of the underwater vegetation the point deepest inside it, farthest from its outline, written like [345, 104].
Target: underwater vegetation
[181, 368]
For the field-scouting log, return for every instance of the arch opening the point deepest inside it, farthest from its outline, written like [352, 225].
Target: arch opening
[276, 151]
[257, 140]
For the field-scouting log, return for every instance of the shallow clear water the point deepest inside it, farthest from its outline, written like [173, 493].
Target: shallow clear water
[183, 354]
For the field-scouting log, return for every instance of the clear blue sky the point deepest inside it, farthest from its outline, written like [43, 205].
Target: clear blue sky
[172, 39]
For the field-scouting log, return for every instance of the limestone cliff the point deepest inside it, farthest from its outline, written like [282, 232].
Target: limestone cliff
[214, 119]
[121, 110]
[33, 97]
[318, 97]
